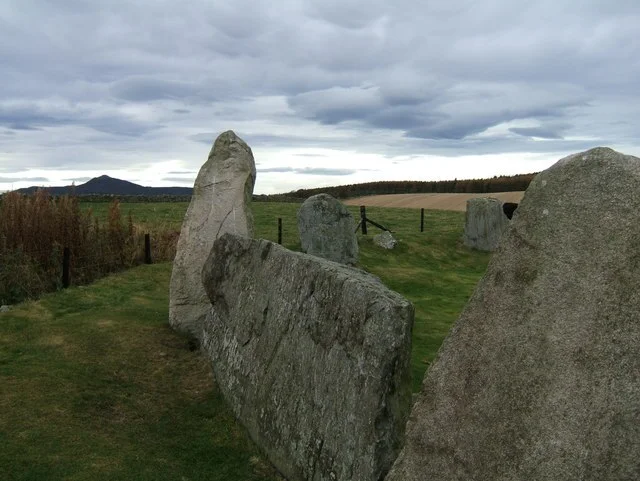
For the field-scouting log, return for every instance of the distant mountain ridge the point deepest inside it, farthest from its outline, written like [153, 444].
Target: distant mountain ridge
[105, 185]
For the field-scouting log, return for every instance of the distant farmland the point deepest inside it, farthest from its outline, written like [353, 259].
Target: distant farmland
[430, 201]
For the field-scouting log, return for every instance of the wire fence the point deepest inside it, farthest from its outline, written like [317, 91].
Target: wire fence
[28, 273]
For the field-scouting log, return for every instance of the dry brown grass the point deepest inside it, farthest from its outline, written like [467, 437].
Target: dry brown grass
[456, 202]
[35, 230]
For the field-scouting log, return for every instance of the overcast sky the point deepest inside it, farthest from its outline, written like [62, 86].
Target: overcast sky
[325, 92]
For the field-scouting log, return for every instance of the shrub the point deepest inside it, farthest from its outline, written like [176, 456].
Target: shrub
[34, 230]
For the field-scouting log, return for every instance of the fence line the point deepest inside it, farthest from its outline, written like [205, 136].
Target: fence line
[66, 260]
[28, 273]
[364, 220]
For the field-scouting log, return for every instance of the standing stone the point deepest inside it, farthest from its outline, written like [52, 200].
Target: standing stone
[220, 203]
[327, 229]
[312, 356]
[539, 378]
[385, 240]
[485, 223]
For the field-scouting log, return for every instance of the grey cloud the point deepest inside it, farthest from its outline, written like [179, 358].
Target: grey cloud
[29, 117]
[10, 180]
[310, 170]
[409, 87]
[272, 140]
[122, 126]
[18, 126]
[242, 20]
[80, 180]
[337, 104]
[452, 113]
[395, 78]
[182, 172]
[467, 111]
[277, 169]
[145, 89]
[515, 146]
[10, 169]
[178, 180]
[404, 117]
[346, 13]
[325, 171]
[450, 130]
[36, 116]
[204, 138]
[540, 132]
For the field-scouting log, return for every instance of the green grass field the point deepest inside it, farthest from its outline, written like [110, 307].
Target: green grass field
[95, 386]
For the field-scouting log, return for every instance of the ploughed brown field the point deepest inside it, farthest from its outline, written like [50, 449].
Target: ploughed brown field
[430, 201]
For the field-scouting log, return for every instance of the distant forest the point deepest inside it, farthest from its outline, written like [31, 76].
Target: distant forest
[501, 183]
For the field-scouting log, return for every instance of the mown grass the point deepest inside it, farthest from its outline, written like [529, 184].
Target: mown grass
[95, 386]
[154, 215]
[432, 269]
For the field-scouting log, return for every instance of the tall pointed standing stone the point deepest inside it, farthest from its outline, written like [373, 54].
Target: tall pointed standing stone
[539, 379]
[220, 203]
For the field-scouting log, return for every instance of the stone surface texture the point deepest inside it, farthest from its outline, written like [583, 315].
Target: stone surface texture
[485, 223]
[385, 240]
[312, 356]
[220, 203]
[539, 378]
[327, 229]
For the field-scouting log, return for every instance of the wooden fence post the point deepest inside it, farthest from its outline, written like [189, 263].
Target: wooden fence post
[279, 230]
[363, 218]
[66, 262]
[422, 220]
[147, 249]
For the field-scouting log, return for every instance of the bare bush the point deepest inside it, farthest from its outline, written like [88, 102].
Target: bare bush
[34, 230]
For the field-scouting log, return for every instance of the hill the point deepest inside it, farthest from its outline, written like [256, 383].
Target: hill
[105, 185]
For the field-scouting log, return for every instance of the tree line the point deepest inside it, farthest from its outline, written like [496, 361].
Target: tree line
[503, 183]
